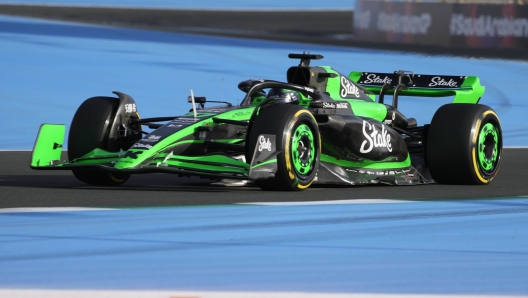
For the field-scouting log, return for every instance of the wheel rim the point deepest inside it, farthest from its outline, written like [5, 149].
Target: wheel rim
[488, 147]
[303, 148]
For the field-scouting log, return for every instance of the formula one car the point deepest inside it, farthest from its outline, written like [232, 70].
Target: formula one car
[319, 127]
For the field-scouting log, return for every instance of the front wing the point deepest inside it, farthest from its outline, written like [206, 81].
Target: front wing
[48, 149]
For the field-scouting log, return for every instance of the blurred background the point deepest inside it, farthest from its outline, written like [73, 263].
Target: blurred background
[55, 54]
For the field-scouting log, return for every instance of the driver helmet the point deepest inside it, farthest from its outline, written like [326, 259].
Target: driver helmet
[283, 94]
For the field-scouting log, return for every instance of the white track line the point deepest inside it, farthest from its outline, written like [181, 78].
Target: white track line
[14, 293]
[330, 202]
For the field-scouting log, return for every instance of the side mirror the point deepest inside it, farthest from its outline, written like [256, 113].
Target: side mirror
[197, 99]
[244, 86]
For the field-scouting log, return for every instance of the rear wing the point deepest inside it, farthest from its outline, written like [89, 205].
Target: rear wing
[465, 89]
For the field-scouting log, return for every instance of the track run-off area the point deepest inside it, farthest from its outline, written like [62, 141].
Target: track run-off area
[163, 236]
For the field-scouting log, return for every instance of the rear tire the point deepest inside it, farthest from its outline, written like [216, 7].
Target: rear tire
[464, 144]
[90, 129]
[299, 142]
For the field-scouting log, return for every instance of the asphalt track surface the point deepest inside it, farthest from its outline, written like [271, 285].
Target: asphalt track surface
[442, 244]
[22, 187]
[316, 26]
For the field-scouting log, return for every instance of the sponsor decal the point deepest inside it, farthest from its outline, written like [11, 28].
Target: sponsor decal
[183, 120]
[362, 19]
[486, 25]
[213, 110]
[133, 155]
[374, 138]
[375, 79]
[406, 24]
[335, 105]
[130, 108]
[439, 81]
[237, 114]
[342, 105]
[264, 144]
[309, 89]
[347, 88]
[139, 145]
[174, 125]
[151, 139]
[389, 121]
[329, 105]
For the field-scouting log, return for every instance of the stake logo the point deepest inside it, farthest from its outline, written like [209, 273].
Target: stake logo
[374, 138]
[328, 105]
[347, 88]
[335, 105]
[375, 79]
[264, 144]
[439, 81]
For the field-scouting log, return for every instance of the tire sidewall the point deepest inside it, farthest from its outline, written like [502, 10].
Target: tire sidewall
[453, 140]
[282, 120]
[90, 129]
[90, 126]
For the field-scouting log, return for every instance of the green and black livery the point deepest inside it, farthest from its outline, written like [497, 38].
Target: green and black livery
[338, 130]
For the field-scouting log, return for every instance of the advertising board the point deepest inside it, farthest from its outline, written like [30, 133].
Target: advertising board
[442, 24]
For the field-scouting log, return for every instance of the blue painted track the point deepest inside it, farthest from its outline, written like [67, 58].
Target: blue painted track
[49, 68]
[457, 247]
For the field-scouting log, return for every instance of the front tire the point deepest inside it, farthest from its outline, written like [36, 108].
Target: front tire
[90, 129]
[464, 144]
[299, 142]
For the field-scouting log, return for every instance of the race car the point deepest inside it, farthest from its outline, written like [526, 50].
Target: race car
[319, 127]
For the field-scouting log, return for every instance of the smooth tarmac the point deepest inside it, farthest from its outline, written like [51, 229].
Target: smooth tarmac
[22, 187]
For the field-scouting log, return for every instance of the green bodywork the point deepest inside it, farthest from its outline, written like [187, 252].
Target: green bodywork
[303, 160]
[48, 147]
[488, 143]
[160, 157]
[156, 159]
